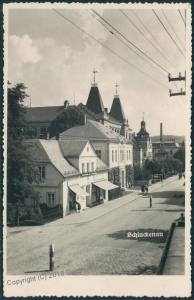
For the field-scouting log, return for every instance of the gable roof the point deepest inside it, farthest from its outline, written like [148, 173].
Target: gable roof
[92, 131]
[72, 148]
[56, 157]
[48, 151]
[43, 114]
[117, 110]
[36, 151]
[94, 102]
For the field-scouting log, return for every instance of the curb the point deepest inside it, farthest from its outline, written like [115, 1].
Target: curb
[114, 208]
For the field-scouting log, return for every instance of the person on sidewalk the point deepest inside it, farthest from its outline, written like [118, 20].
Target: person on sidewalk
[150, 201]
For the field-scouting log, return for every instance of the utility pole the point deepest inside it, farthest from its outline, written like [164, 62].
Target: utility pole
[180, 77]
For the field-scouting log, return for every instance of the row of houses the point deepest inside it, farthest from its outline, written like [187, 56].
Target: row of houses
[88, 163]
[76, 167]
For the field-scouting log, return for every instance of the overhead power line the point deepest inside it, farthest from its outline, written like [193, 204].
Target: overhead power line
[109, 49]
[153, 38]
[121, 40]
[160, 21]
[131, 43]
[172, 28]
[145, 37]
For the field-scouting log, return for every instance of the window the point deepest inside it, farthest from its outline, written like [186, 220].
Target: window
[88, 167]
[92, 167]
[115, 155]
[51, 199]
[112, 155]
[42, 172]
[129, 155]
[83, 168]
[121, 155]
[98, 153]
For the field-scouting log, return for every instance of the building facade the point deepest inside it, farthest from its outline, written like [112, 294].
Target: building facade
[164, 149]
[112, 148]
[69, 173]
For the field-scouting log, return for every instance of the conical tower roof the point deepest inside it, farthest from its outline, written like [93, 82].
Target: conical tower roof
[117, 110]
[94, 102]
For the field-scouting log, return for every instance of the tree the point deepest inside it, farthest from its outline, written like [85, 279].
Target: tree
[129, 175]
[70, 117]
[20, 168]
[180, 155]
[154, 166]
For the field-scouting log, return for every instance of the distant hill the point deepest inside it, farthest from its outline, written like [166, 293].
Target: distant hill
[178, 139]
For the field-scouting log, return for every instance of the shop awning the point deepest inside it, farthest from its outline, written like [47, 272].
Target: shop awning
[78, 190]
[105, 185]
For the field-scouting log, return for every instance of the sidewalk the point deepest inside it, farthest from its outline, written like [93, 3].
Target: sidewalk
[175, 261]
[91, 214]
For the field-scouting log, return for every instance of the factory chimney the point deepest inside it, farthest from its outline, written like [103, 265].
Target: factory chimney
[161, 132]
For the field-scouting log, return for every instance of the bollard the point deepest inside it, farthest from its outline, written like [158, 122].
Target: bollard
[51, 257]
[150, 201]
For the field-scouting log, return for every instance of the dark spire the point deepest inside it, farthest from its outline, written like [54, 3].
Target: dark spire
[117, 110]
[94, 102]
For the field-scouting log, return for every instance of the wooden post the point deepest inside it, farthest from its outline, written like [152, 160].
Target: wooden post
[51, 257]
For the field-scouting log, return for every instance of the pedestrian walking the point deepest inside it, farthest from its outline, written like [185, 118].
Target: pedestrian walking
[150, 201]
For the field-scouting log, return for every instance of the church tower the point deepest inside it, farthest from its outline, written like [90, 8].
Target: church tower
[144, 141]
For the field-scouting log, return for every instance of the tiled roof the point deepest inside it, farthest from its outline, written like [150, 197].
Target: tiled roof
[48, 151]
[100, 165]
[55, 155]
[94, 102]
[72, 148]
[37, 152]
[43, 114]
[117, 110]
[113, 120]
[92, 131]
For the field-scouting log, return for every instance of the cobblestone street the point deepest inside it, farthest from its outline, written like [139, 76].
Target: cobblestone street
[99, 244]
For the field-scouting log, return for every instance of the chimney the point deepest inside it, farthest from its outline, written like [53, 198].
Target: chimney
[161, 132]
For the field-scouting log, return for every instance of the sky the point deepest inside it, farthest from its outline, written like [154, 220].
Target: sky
[55, 60]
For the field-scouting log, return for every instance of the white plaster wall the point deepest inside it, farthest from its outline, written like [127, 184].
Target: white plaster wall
[82, 181]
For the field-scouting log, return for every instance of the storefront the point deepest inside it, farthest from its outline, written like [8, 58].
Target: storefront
[102, 189]
[77, 194]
